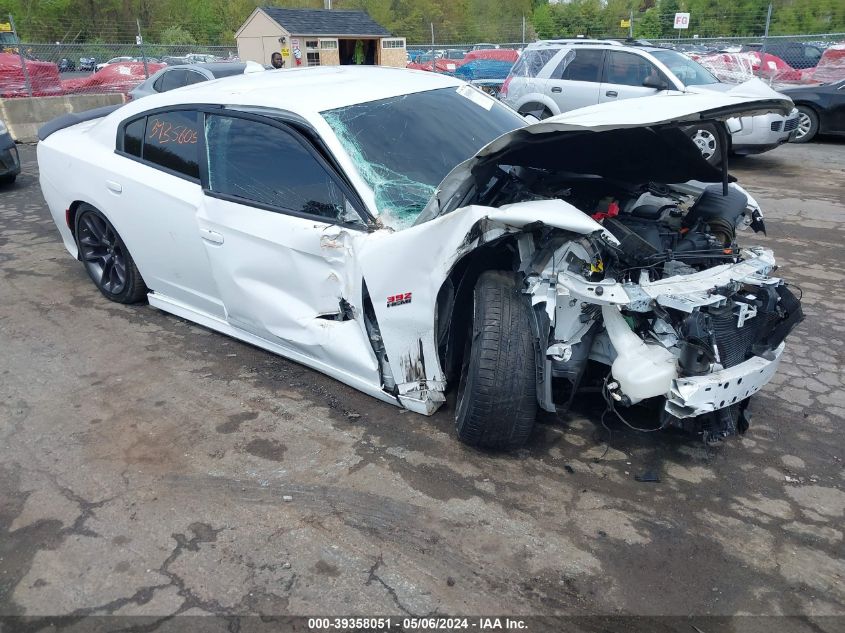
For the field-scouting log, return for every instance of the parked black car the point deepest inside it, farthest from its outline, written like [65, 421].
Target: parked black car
[66, 65]
[821, 110]
[10, 163]
[88, 63]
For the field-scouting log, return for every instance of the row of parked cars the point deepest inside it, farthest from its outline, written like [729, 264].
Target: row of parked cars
[813, 80]
[557, 76]
[92, 64]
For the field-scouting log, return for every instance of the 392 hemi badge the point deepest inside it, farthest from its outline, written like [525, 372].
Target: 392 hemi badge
[398, 300]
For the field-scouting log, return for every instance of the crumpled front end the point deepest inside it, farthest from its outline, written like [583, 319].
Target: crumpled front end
[671, 306]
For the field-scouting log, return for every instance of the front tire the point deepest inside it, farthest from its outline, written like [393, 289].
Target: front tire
[497, 395]
[106, 258]
[808, 125]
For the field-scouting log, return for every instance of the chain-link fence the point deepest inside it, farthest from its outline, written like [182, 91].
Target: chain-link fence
[40, 62]
[73, 54]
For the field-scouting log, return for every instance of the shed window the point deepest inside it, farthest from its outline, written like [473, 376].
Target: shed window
[396, 42]
[312, 43]
[312, 59]
[328, 44]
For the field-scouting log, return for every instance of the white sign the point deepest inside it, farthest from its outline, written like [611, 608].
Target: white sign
[139, 40]
[682, 20]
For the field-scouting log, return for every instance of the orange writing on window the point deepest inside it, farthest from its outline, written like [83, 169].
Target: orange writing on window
[166, 133]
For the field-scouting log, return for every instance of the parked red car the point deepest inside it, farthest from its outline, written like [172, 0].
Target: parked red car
[121, 77]
[43, 77]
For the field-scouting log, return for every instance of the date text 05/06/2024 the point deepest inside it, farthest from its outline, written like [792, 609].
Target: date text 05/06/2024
[378, 624]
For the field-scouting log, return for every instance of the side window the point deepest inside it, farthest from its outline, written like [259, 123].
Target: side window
[171, 141]
[158, 82]
[812, 53]
[193, 77]
[627, 69]
[585, 67]
[264, 164]
[173, 79]
[133, 137]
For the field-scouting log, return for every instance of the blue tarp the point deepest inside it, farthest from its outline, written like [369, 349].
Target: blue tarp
[484, 69]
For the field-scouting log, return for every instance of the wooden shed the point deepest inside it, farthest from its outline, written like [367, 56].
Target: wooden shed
[318, 37]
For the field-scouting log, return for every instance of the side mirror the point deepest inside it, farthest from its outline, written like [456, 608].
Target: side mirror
[734, 125]
[531, 118]
[655, 82]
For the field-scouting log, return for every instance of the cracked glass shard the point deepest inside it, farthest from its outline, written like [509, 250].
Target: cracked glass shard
[404, 146]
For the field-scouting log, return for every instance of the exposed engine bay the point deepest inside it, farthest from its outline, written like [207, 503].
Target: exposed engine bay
[661, 292]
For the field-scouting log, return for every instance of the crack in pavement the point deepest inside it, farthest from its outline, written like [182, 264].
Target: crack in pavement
[390, 590]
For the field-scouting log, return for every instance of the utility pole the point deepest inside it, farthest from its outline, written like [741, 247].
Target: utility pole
[140, 41]
[631, 25]
[433, 66]
[766, 34]
[27, 81]
[523, 30]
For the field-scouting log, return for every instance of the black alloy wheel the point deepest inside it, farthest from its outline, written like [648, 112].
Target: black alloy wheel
[107, 259]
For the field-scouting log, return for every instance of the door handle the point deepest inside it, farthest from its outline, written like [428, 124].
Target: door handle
[114, 187]
[211, 236]
[557, 89]
[611, 93]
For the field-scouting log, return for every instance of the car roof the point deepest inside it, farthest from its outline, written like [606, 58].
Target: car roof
[615, 45]
[304, 91]
[215, 68]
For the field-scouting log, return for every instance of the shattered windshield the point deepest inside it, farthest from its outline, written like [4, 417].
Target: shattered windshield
[404, 146]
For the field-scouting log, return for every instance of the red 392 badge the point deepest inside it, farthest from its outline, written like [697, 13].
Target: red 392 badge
[397, 300]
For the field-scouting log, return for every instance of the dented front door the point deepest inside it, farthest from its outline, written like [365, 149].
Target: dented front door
[278, 229]
[285, 279]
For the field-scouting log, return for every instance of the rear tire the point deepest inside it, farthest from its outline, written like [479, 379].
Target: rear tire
[106, 258]
[497, 394]
[707, 140]
[808, 125]
[8, 179]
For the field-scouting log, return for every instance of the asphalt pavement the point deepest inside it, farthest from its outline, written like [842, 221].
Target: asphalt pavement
[149, 466]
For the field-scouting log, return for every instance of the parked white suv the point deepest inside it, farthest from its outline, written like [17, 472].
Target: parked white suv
[555, 76]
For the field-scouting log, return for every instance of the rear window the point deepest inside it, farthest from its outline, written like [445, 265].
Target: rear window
[171, 141]
[172, 79]
[133, 137]
[531, 62]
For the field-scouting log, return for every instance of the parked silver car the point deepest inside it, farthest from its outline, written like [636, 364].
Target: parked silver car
[556, 76]
[172, 77]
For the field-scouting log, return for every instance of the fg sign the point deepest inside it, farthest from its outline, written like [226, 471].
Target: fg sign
[682, 20]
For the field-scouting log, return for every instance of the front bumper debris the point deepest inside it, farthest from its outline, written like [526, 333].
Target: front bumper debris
[691, 396]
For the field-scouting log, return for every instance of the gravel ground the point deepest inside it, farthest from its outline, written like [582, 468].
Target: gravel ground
[149, 466]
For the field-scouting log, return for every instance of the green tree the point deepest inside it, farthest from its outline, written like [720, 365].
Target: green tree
[544, 22]
[176, 35]
[648, 24]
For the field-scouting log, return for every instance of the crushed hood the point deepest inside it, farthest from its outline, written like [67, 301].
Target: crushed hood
[639, 140]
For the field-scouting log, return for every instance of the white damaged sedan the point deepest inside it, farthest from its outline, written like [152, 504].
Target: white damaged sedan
[408, 235]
